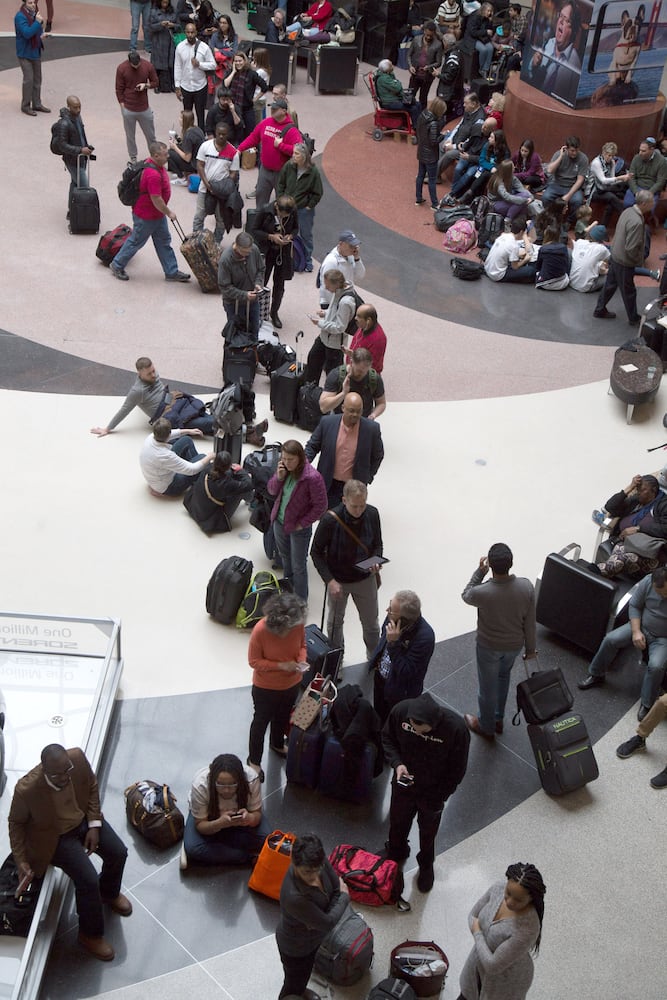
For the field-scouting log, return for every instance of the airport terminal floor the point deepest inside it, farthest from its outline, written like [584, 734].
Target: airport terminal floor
[499, 426]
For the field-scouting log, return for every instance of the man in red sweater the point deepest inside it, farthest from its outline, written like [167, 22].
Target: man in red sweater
[134, 78]
[276, 137]
[369, 335]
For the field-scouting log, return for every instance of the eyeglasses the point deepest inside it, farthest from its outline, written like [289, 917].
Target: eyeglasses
[61, 774]
[222, 784]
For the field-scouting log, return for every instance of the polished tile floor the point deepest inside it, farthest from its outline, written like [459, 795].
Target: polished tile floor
[499, 426]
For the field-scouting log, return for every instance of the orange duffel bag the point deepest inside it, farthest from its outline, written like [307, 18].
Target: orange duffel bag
[272, 864]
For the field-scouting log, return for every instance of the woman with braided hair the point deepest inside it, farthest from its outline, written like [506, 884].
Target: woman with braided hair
[506, 924]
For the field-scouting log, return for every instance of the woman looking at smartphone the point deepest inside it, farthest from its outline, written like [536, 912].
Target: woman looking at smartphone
[225, 825]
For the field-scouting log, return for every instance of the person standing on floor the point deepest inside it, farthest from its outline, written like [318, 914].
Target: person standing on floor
[149, 219]
[426, 745]
[301, 499]
[277, 657]
[402, 655]
[134, 78]
[300, 179]
[506, 924]
[428, 128]
[313, 898]
[70, 137]
[505, 624]
[347, 535]
[29, 28]
[275, 137]
[193, 60]
[627, 253]
[140, 11]
[240, 279]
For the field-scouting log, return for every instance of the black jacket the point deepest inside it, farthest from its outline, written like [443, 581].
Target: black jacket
[68, 137]
[206, 499]
[621, 505]
[409, 657]
[428, 134]
[438, 759]
[335, 553]
[370, 450]
[307, 914]
[450, 85]
[280, 257]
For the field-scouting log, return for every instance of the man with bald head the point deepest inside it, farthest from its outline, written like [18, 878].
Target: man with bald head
[369, 335]
[349, 446]
[55, 819]
[69, 141]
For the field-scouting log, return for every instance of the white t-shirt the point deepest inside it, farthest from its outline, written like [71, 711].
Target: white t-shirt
[585, 266]
[218, 163]
[198, 800]
[504, 251]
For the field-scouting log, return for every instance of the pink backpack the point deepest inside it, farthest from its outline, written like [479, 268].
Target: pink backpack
[460, 237]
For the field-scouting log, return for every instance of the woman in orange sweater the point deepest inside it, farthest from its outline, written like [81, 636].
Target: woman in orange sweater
[277, 655]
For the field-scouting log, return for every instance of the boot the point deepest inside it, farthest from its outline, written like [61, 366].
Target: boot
[275, 319]
[254, 435]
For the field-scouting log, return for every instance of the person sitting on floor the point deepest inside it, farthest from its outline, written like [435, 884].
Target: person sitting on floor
[653, 718]
[216, 494]
[590, 261]
[553, 262]
[225, 825]
[513, 255]
[168, 469]
[642, 511]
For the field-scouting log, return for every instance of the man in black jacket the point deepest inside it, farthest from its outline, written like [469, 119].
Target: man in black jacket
[69, 138]
[471, 123]
[426, 745]
[347, 535]
[351, 451]
[450, 77]
[275, 29]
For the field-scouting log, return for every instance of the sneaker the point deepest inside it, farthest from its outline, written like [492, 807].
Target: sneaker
[631, 746]
[183, 860]
[119, 272]
[181, 182]
[309, 267]
[251, 194]
[660, 780]
[179, 276]
[420, 201]
[132, 162]
[656, 275]
[604, 314]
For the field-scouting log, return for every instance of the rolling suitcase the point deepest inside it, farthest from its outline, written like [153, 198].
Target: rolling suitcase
[227, 588]
[322, 657]
[563, 754]
[239, 365]
[233, 443]
[111, 243]
[84, 211]
[542, 696]
[334, 777]
[202, 254]
[304, 755]
[285, 385]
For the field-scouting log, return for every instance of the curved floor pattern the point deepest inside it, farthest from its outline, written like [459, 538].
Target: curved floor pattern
[84, 536]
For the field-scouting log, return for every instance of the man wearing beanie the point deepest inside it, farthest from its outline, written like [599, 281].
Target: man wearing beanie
[505, 625]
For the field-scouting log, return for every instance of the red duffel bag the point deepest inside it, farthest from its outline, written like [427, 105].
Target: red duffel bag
[369, 878]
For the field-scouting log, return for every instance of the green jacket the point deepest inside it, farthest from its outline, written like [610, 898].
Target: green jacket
[306, 189]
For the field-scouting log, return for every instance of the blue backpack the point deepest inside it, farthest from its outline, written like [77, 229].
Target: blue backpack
[298, 254]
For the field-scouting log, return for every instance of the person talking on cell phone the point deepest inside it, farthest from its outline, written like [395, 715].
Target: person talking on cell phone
[402, 655]
[426, 745]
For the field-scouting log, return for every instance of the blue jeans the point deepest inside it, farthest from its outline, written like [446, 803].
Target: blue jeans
[427, 170]
[253, 314]
[485, 52]
[91, 889]
[493, 675]
[82, 180]
[140, 12]
[553, 191]
[621, 637]
[293, 550]
[306, 223]
[235, 846]
[142, 231]
[185, 448]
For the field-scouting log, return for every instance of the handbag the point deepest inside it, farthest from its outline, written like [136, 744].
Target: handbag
[236, 331]
[320, 692]
[151, 809]
[641, 544]
[16, 909]
[272, 864]
[422, 964]
[355, 538]
[542, 696]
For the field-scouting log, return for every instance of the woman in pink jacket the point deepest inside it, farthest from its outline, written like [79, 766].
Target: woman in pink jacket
[301, 499]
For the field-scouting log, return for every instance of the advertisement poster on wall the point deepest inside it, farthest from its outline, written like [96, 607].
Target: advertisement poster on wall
[596, 53]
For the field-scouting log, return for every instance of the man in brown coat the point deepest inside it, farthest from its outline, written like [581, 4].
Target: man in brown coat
[55, 818]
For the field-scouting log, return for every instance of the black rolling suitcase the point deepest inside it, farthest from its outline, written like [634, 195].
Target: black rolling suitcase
[227, 588]
[239, 365]
[84, 212]
[563, 754]
[322, 657]
[285, 385]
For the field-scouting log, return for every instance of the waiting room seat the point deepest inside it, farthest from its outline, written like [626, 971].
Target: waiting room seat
[333, 69]
[283, 63]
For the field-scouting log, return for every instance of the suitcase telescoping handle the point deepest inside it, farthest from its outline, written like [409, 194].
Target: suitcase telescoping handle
[79, 157]
[179, 229]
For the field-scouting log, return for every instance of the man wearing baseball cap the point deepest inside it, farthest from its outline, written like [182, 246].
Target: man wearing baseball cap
[346, 258]
[276, 137]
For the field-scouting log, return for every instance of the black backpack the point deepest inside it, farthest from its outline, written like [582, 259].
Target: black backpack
[481, 206]
[352, 326]
[492, 226]
[445, 217]
[129, 184]
[466, 270]
[55, 146]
